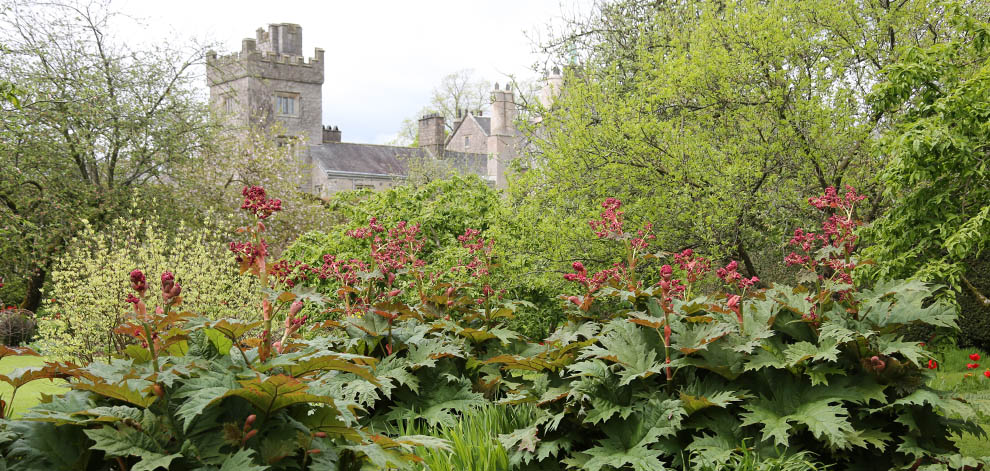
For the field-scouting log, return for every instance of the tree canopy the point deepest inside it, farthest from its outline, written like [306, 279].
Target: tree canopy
[716, 119]
[938, 176]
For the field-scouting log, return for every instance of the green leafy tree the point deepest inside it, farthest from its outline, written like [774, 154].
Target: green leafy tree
[97, 121]
[713, 119]
[938, 178]
[456, 93]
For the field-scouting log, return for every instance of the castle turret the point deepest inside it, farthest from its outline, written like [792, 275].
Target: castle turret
[431, 134]
[269, 80]
[551, 87]
[281, 38]
[503, 139]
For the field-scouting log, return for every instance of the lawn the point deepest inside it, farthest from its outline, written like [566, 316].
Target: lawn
[29, 394]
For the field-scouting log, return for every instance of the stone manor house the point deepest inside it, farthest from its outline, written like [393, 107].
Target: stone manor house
[270, 81]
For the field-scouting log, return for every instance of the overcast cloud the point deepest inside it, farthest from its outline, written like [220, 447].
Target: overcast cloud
[383, 57]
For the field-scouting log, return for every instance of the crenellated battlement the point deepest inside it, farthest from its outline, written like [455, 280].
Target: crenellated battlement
[265, 56]
[264, 65]
[275, 54]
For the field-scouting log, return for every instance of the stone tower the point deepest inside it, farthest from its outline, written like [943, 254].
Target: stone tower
[270, 81]
[504, 138]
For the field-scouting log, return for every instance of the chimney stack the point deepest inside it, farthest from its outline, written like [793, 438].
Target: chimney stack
[331, 134]
[431, 134]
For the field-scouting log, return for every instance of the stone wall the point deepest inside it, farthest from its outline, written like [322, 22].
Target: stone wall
[476, 140]
[324, 186]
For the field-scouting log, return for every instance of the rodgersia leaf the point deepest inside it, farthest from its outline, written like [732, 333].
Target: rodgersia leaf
[198, 393]
[436, 403]
[631, 347]
[775, 425]
[799, 352]
[242, 461]
[123, 441]
[44, 445]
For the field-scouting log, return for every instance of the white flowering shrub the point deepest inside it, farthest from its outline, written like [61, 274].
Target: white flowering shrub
[89, 283]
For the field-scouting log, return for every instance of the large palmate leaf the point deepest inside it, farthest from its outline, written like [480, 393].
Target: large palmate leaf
[121, 391]
[898, 302]
[241, 461]
[438, 403]
[276, 392]
[198, 393]
[21, 376]
[820, 409]
[43, 445]
[802, 351]
[629, 441]
[691, 337]
[573, 332]
[911, 351]
[631, 347]
[428, 351]
[317, 364]
[612, 454]
[135, 439]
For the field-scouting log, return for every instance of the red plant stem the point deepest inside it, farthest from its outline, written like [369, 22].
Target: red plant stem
[151, 343]
[266, 308]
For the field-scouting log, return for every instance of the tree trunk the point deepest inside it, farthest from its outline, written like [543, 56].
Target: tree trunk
[32, 299]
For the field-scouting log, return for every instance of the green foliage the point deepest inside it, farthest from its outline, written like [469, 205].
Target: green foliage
[712, 119]
[474, 442]
[644, 375]
[442, 208]
[98, 120]
[199, 410]
[937, 180]
[85, 303]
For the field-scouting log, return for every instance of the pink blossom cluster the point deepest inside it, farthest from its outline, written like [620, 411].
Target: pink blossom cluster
[695, 266]
[837, 231]
[643, 236]
[597, 280]
[170, 289]
[258, 203]
[832, 200]
[670, 287]
[481, 251]
[730, 276]
[610, 224]
[344, 271]
[291, 272]
[138, 282]
[392, 249]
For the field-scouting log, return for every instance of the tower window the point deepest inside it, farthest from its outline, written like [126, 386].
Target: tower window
[287, 104]
[228, 104]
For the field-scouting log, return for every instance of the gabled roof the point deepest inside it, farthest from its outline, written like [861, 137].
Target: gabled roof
[374, 160]
[484, 122]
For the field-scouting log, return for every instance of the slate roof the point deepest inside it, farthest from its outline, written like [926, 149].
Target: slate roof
[485, 122]
[381, 160]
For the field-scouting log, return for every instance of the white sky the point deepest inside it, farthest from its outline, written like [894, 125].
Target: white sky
[383, 58]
